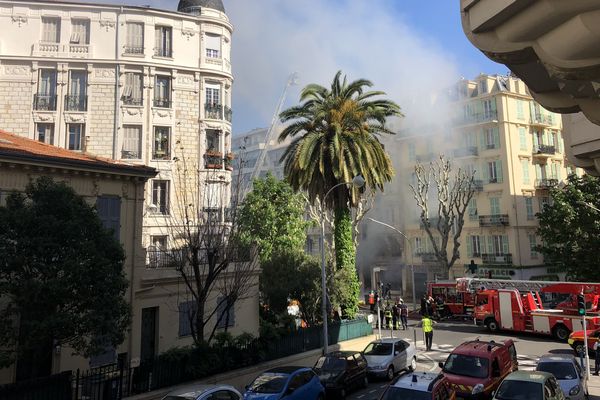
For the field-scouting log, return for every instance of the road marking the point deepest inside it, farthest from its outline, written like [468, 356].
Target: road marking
[382, 386]
[360, 396]
[372, 391]
[434, 365]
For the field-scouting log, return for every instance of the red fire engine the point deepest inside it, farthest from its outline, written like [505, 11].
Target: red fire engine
[517, 306]
[456, 299]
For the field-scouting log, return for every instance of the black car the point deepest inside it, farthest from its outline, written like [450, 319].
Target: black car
[341, 371]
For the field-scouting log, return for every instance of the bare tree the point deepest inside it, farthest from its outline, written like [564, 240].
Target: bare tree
[454, 190]
[216, 269]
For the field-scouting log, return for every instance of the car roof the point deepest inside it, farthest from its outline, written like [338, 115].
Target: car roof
[530, 376]
[286, 369]
[478, 347]
[424, 381]
[557, 358]
[341, 353]
[195, 391]
[387, 340]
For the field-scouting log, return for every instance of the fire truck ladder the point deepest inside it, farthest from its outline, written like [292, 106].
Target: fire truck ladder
[475, 284]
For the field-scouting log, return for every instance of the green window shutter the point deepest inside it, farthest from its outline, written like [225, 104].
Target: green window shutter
[535, 140]
[490, 244]
[482, 141]
[496, 135]
[499, 170]
[469, 247]
[485, 172]
[522, 138]
[559, 142]
[505, 244]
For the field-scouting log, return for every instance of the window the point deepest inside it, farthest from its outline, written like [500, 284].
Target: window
[473, 209]
[213, 95]
[223, 395]
[45, 99]
[495, 205]
[525, 170]
[132, 91]
[532, 246]
[80, 31]
[212, 140]
[483, 86]
[134, 43]
[412, 154]
[491, 138]
[559, 142]
[162, 92]
[225, 314]
[109, 212]
[213, 45]
[418, 245]
[132, 142]
[163, 44]
[160, 196]
[45, 133]
[489, 109]
[50, 30]
[158, 242]
[213, 196]
[473, 246]
[76, 136]
[187, 313]
[161, 145]
[522, 138]
[554, 170]
[494, 170]
[498, 245]
[76, 100]
[520, 112]
[529, 208]
[544, 201]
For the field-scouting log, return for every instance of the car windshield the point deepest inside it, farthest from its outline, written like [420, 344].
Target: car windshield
[331, 364]
[472, 366]
[519, 390]
[560, 370]
[378, 349]
[269, 383]
[395, 393]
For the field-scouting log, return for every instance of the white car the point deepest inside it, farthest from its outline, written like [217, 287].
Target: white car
[568, 373]
[386, 357]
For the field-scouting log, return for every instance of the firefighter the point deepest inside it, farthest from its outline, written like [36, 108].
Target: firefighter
[395, 315]
[403, 314]
[427, 325]
[388, 317]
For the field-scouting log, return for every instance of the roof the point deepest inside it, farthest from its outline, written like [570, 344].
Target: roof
[285, 369]
[531, 376]
[188, 5]
[557, 358]
[194, 391]
[477, 347]
[346, 353]
[424, 381]
[388, 340]
[17, 149]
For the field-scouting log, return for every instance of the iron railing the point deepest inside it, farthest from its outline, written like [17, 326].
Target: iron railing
[545, 183]
[541, 119]
[213, 111]
[493, 220]
[132, 101]
[75, 103]
[44, 102]
[134, 49]
[162, 103]
[163, 52]
[496, 259]
[476, 118]
[544, 149]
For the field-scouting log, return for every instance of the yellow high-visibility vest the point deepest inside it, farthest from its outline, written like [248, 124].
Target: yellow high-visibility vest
[427, 325]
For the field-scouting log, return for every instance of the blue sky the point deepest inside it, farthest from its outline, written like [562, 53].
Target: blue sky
[408, 48]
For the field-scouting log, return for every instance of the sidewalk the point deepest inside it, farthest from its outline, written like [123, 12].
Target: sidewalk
[241, 377]
[594, 387]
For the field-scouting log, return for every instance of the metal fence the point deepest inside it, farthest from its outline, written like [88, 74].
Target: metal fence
[116, 381]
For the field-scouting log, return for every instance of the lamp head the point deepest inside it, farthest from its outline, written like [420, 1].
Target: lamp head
[358, 181]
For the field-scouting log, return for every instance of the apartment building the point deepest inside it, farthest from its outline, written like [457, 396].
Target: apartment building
[141, 86]
[514, 148]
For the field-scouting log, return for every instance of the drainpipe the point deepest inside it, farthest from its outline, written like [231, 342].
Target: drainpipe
[510, 157]
[117, 77]
[134, 241]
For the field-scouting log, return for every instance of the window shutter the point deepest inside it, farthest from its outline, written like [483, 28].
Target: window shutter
[490, 244]
[496, 134]
[535, 140]
[187, 313]
[499, 170]
[525, 167]
[157, 38]
[559, 141]
[505, 244]
[469, 246]
[109, 212]
[483, 140]
[485, 172]
[522, 138]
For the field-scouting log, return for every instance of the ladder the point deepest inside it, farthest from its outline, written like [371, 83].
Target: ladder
[475, 284]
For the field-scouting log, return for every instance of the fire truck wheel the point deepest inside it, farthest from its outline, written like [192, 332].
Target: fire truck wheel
[561, 333]
[578, 348]
[491, 324]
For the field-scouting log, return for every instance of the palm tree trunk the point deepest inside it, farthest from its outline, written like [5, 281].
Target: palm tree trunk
[345, 258]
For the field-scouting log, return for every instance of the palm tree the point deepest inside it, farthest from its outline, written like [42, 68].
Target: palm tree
[336, 138]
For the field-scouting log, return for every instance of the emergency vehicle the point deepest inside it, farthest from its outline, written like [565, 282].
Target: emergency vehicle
[456, 299]
[517, 306]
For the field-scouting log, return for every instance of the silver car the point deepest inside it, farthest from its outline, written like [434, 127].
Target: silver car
[386, 357]
[204, 392]
[568, 373]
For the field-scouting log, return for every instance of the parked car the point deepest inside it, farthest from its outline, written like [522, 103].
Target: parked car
[576, 341]
[419, 386]
[568, 373]
[526, 385]
[342, 371]
[476, 368]
[385, 357]
[290, 383]
[204, 392]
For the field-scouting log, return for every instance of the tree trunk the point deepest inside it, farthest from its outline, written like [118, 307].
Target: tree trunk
[345, 258]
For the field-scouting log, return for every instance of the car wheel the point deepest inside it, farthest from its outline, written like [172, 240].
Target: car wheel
[492, 325]
[413, 364]
[561, 333]
[579, 349]
[365, 382]
[390, 373]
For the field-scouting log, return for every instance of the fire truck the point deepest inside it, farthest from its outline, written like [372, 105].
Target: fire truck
[517, 306]
[456, 299]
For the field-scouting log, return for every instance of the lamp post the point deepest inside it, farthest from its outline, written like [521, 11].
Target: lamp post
[358, 181]
[412, 264]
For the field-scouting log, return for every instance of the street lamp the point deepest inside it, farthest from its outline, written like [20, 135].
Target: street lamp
[412, 264]
[357, 182]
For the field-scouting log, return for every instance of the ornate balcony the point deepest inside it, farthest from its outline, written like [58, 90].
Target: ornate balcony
[164, 259]
[137, 50]
[545, 183]
[75, 103]
[132, 101]
[213, 111]
[493, 220]
[496, 259]
[543, 150]
[213, 160]
[470, 151]
[162, 103]
[44, 102]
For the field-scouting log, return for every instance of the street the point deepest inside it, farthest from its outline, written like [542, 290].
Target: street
[447, 335]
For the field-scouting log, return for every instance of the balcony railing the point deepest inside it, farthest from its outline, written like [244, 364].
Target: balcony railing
[134, 49]
[470, 151]
[497, 259]
[493, 220]
[213, 111]
[544, 149]
[44, 102]
[425, 157]
[165, 259]
[478, 185]
[428, 257]
[228, 113]
[162, 103]
[213, 160]
[75, 103]
[478, 118]
[163, 52]
[541, 119]
[545, 183]
[132, 101]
